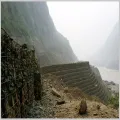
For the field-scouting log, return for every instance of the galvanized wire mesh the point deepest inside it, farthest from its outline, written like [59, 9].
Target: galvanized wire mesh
[18, 66]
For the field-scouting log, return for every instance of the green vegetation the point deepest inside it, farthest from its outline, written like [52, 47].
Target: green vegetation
[114, 101]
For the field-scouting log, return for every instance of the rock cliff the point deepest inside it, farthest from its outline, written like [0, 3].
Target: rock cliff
[30, 22]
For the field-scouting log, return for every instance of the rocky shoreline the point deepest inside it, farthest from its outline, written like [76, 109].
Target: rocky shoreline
[112, 87]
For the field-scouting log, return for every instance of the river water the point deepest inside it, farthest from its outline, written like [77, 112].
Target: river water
[110, 75]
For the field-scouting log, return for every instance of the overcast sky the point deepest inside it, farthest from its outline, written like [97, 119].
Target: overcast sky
[85, 24]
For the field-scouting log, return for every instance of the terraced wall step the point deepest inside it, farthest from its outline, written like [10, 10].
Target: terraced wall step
[81, 75]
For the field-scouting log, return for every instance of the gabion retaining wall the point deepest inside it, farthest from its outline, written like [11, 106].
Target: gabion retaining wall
[20, 78]
[81, 75]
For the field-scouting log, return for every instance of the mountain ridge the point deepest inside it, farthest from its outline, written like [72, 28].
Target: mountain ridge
[31, 23]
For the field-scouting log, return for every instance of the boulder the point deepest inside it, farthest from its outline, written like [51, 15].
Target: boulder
[66, 90]
[83, 107]
[95, 114]
[59, 102]
[98, 107]
[55, 92]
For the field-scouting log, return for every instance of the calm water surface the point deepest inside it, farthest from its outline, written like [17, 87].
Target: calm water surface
[110, 75]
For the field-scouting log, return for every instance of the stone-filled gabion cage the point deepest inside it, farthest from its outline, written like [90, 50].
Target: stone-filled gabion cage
[20, 78]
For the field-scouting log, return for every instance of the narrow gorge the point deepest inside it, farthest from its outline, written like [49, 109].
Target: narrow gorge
[35, 58]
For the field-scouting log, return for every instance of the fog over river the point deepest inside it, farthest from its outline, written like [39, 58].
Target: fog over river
[110, 75]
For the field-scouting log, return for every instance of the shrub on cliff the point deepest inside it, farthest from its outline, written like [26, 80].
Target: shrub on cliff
[114, 101]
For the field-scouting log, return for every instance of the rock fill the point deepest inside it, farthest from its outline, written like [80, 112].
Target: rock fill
[19, 84]
[81, 75]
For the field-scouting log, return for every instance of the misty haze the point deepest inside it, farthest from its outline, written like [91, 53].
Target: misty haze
[92, 29]
[60, 59]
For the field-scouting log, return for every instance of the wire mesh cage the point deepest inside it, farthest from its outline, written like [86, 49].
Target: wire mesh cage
[18, 66]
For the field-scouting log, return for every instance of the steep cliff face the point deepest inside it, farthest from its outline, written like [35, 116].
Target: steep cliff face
[30, 22]
[108, 55]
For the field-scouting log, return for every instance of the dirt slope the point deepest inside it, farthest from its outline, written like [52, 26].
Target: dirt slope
[72, 96]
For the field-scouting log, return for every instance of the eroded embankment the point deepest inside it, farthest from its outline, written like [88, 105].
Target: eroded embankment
[80, 75]
[72, 96]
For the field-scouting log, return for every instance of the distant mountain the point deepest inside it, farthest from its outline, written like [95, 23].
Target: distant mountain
[108, 55]
[30, 23]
